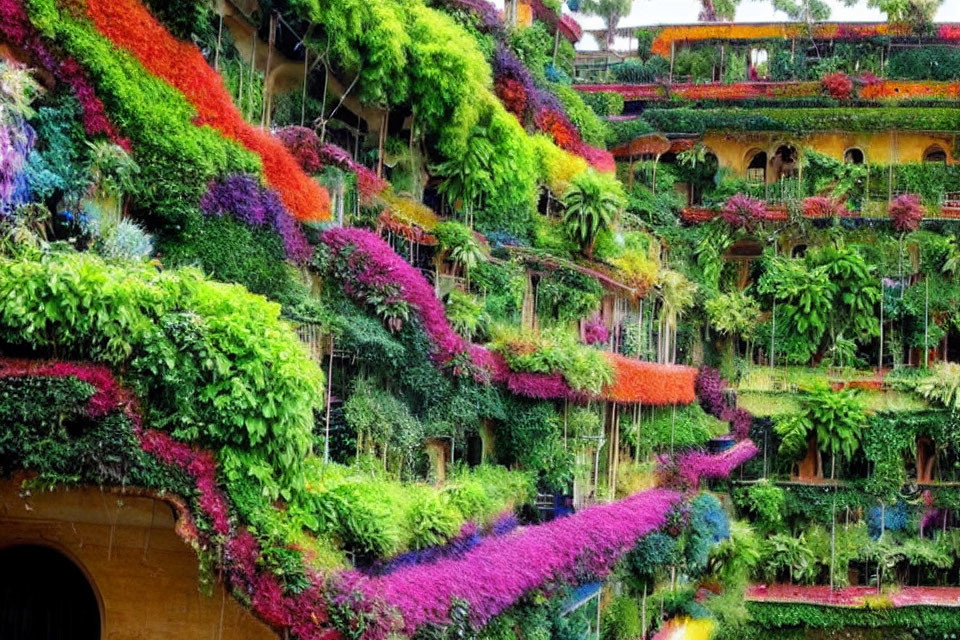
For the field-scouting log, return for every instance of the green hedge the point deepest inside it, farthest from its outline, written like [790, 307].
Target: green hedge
[925, 63]
[802, 120]
[923, 621]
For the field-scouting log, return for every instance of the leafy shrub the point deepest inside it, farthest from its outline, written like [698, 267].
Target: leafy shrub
[554, 351]
[127, 241]
[734, 314]
[930, 62]
[634, 71]
[765, 502]
[687, 427]
[459, 243]
[621, 619]
[465, 313]
[604, 103]
[214, 364]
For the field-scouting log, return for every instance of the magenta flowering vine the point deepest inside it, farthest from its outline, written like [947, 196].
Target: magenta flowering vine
[595, 331]
[499, 571]
[686, 471]
[709, 387]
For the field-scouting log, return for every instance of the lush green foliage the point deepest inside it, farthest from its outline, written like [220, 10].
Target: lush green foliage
[925, 63]
[214, 364]
[177, 161]
[836, 418]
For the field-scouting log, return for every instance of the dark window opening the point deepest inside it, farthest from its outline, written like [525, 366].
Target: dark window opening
[853, 156]
[45, 596]
[935, 156]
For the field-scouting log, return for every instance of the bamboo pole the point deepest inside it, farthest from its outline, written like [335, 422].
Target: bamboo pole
[271, 43]
[326, 437]
[216, 56]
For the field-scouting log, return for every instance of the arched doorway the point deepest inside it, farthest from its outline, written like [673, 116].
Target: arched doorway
[757, 167]
[45, 596]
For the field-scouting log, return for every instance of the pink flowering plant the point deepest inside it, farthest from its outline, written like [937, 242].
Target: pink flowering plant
[743, 211]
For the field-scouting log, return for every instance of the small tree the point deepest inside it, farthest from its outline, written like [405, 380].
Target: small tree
[835, 418]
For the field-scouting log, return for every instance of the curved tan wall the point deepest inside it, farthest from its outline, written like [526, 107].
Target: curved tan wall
[145, 576]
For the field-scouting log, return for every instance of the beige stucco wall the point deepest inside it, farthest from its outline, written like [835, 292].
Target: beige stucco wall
[145, 576]
[735, 151]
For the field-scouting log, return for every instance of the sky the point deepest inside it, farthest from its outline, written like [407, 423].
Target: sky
[651, 12]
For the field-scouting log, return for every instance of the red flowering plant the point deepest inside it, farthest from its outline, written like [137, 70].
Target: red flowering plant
[513, 95]
[823, 207]
[906, 212]
[743, 211]
[838, 85]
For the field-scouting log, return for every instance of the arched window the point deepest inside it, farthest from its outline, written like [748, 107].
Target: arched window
[935, 155]
[45, 596]
[854, 156]
[757, 168]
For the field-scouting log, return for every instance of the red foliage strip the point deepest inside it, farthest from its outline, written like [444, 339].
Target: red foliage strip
[129, 25]
[650, 383]
[15, 25]
[904, 596]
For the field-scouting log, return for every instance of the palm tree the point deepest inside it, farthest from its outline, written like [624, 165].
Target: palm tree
[591, 204]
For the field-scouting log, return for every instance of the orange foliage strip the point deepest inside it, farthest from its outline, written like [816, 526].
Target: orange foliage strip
[902, 90]
[129, 25]
[650, 383]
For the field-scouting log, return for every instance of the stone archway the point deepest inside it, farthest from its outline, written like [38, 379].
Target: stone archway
[45, 596]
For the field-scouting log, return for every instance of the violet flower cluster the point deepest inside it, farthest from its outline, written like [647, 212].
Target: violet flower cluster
[499, 571]
[595, 331]
[16, 141]
[709, 388]
[244, 198]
